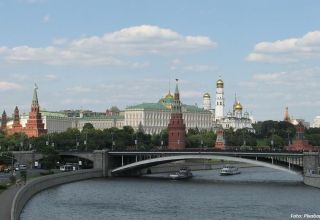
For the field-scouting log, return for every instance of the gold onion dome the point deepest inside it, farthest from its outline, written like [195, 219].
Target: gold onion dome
[169, 96]
[238, 106]
[220, 83]
[206, 95]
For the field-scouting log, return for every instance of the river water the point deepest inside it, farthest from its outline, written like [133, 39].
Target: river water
[257, 193]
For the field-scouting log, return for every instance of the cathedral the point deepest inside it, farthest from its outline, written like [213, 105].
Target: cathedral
[236, 119]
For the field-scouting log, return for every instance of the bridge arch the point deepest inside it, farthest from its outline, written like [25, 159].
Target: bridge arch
[167, 159]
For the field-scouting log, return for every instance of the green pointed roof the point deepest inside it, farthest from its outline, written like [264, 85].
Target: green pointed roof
[177, 89]
[35, 95]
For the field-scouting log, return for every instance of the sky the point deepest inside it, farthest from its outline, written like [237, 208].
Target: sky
[97, 54]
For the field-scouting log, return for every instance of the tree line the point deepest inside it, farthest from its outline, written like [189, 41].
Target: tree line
[267, 134]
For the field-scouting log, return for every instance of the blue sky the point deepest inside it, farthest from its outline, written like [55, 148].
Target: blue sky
[96, 54]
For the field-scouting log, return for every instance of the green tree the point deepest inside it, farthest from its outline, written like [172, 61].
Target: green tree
[87, 126]
[50, 158]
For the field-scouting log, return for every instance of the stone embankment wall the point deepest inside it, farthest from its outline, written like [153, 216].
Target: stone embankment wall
[37, 185]
[312, 180]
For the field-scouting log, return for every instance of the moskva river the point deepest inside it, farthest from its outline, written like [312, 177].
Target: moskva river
[257, 193]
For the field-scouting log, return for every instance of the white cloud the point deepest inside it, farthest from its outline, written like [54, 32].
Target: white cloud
[9, 86]
[271, 92]
[83, 101]
[46, 19]
[114, 48]
[287, 50]
[79, 89]
[50, 77]
[177, 64]
[269, 76]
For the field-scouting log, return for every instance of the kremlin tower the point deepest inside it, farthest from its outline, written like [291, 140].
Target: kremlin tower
[286, 115]
[219, 111]
[4, 120]
[35, 126]
[176, 127]
[16, 126]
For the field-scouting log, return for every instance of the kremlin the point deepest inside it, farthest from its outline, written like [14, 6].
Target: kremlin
[168, 113]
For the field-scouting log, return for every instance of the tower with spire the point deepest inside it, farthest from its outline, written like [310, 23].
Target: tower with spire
[4, 120]
[16, 126]
[176, 127]
[35, 125]
[286, 115]
[219, 111]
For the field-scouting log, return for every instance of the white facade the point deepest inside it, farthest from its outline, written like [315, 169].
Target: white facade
[102, 122]
[316, 122]
[219, 111]
[154, 117]
[207, 102]
[235, 119]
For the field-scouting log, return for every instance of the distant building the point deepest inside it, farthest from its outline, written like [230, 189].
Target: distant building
[102, 122]
[300, 143]
[294, 121]
[316, 122]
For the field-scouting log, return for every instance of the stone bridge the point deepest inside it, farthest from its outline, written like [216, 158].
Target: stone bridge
[128, 163]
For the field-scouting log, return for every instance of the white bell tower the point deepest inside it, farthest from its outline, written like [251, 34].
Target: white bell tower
[219, 111]
[207, 102]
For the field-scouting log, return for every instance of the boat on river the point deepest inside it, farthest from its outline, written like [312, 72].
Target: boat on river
[229, 170]
[183, 173]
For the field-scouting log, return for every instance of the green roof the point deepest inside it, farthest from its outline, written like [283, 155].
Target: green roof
[149, 106]
[53, 114]
[159, 106]
[102, 117]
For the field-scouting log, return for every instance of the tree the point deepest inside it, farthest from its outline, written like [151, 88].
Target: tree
[50, 158]
[23, 175]
[87, 126]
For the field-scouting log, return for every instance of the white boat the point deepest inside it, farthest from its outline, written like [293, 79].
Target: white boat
[229, 170]
[183, 173]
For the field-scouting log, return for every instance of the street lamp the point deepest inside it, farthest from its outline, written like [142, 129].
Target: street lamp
[112, 141]
[86, 142]
[136, 142]
[161, 141]
[77, 143]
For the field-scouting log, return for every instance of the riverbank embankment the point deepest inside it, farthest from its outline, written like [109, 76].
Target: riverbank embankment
[312, 180]
[37, 185]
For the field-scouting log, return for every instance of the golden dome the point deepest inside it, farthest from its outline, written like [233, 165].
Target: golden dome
[169, 96]
[206, 95]
[238, 106]
[220, 83]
